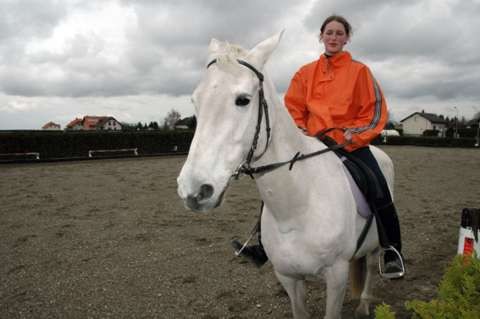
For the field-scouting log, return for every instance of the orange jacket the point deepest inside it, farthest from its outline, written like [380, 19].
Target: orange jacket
[337, 92]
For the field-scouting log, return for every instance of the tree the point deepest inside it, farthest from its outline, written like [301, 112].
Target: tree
[476, 116]
[153, 125]
[128, 126]
[172, 117]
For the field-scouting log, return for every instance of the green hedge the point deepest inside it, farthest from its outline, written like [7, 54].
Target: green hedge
[458, 295]
[76, 144]
[73, 144]
[430, 141]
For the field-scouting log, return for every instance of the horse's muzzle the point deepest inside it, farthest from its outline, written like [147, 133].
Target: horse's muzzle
[201, 201]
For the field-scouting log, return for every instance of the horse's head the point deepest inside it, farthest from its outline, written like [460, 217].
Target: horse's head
[227, 109]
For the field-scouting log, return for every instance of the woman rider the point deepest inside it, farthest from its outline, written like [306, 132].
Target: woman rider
[337, 99]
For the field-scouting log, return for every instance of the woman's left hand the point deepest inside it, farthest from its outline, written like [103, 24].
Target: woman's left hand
[347, 134]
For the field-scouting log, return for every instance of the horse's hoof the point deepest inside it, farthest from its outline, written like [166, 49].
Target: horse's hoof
[361, 315]
[363, 310]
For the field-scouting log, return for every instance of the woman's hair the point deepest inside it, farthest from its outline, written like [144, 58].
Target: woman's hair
[339, 19]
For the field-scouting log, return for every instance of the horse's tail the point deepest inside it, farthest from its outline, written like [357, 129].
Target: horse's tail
[358, 274]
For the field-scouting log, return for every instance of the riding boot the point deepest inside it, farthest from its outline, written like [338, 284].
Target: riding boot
[390, 240]
[254, 253]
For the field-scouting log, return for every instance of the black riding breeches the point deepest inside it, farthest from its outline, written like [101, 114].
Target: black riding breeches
[382, 203]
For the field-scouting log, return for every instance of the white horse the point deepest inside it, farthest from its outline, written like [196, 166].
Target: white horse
[309, 223]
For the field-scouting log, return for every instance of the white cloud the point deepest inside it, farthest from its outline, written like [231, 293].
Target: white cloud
[137, 59]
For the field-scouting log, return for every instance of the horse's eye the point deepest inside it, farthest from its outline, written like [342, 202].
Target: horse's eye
[242, 100]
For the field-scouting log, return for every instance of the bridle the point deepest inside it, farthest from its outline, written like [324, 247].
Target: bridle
[262, 108]
[245, 167]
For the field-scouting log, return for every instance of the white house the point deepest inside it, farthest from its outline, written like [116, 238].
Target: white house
[108, 123]
[95, 123]
[186, 123]
[418, 122]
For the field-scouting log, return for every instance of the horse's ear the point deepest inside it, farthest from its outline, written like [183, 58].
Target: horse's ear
[262, 51]
[214, 45]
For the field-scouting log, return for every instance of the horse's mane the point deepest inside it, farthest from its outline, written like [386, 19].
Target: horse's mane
[227, 57]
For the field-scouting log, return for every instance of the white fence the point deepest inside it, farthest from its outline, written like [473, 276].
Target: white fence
[19, 156]
[120, 151]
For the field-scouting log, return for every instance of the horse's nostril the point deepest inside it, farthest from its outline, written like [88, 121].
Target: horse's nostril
[206, 191]
[192, 202]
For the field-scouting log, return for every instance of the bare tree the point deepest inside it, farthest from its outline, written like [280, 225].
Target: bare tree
[172, 117]
[476, 116]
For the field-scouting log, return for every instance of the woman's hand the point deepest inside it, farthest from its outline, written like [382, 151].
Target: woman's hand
[347, 134]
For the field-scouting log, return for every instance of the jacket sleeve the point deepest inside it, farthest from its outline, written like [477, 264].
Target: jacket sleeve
[372, 109]
[295, 100]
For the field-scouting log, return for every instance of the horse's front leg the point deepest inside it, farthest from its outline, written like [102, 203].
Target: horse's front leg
[296, 291]
[367, 297]
[336, 278]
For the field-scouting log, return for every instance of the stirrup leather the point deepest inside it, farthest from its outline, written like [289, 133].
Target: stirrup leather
[381, 264]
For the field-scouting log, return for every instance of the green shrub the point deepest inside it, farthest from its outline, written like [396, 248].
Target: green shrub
[76, 144]
[384, 311]
[431, 141]
[458, 295]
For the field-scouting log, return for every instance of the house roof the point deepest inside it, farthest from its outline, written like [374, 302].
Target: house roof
[105, 119]
[75, 122]
[50, 124]
[433, 118]
[90, 122]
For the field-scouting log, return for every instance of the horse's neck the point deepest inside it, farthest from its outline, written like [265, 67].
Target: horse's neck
[295, 186]
[287, 139]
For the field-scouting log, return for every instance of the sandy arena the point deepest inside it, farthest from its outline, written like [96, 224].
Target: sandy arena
[111, 239]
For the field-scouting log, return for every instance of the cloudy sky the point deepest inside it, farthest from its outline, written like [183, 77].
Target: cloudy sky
[138, 59]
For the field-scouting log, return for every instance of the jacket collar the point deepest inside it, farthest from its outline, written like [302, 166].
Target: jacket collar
[324, 67]
[338, 60]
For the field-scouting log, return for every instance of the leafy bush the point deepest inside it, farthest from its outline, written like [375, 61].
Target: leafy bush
[384, 311]
[434, 133]
[430, 141]
[458, 295]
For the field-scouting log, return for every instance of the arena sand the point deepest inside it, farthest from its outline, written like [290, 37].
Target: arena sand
[111, 239]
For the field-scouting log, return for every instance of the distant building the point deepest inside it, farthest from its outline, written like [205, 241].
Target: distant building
[75, 125]
[50, 126]
[99, 123]
[418, 122]
[186, 123]
[475, 123]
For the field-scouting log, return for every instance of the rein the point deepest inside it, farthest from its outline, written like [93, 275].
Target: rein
[248, 170]
[245, 167]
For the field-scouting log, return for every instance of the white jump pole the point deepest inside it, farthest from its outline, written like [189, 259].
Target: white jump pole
[469, 235]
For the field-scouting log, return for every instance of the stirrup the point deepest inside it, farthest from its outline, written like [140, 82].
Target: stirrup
[381, 261]
[245, 244]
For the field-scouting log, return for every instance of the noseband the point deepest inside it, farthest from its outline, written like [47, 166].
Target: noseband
[262, 108]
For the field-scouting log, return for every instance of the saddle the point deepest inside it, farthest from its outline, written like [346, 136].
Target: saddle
[363, 182]
[363, 176]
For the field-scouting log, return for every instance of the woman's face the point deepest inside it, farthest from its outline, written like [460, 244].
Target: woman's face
[334, 37]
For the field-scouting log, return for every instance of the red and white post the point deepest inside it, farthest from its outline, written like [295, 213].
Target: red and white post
[469, 236]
